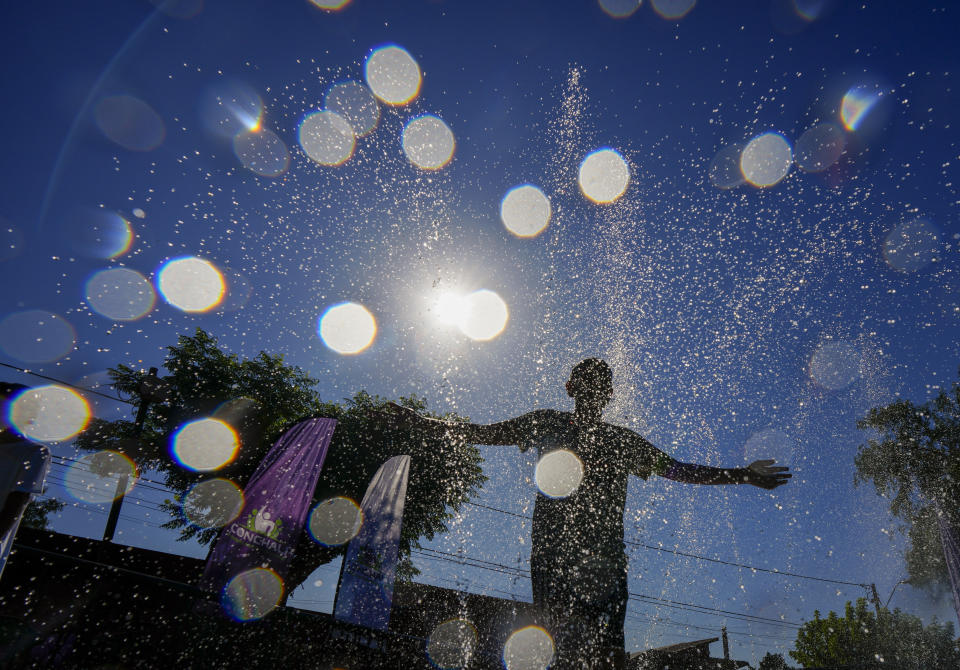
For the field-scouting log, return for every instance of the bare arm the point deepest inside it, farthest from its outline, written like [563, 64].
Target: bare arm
[762, 473]
[511, 431]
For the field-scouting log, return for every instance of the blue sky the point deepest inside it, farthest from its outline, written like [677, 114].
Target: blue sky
[739, 319]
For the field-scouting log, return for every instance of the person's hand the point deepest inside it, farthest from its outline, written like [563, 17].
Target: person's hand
[766, 475]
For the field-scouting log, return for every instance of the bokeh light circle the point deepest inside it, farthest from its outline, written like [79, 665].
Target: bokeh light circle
[525, 211]
[330, 5]
[428, 142]
[529, 648]
[36, 336]
[393, 75]
[100, 233]
[558, 473]
[95, 478]
[766, 159]
[191, 284]
[120, 294]
[355, 103]
[212, 503]
[724, 170]
[835, 365]
[620, 9]
[204, 444]
[452, 644]
[326, 138]
[604, 176]
[335, 521]
[485, 315]
[673, 9]
[912, 245]
[129, 122]
[252, 594]
[48, 413]
[769, 443]
[820, 147]
[856, 105]
[347, 328]
[262, 152]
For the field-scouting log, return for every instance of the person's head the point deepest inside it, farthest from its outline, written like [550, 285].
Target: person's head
[591, 382]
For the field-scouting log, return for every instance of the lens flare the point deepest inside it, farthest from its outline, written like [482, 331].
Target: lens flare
[856, 105]
[330, 5]
[769, 443]
[48, 413]
[252, 594]
[724, 170]
[766, 159]
[230, 108]
[428, 142]
[820, 147]
[347, 328]
[604, 176]
[559, 473]
[262, 152]
[327, 138]
[529, 648]
[36, 336]
[335, 521]
[452, 644]
[129, 122]
[100, 233]
[525, 211]
[120, 294]
[204, 444]
[212, 503]
[95, 478]
[835, 365]
[393, 75]
[191, 284]
[912, 245]
[485, 315]
[355, 103]
[673, 9]
[619, 9]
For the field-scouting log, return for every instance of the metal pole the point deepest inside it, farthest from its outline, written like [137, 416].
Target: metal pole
[875, 597]
[122, 482]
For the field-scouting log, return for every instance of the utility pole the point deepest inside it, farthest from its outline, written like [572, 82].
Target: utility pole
[151, 389]
[726, 643]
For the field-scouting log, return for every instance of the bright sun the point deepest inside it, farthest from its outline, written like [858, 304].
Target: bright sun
[450, 309]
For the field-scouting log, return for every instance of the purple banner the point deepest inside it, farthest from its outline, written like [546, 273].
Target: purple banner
[370, 566]
[251, 557]
[951, 549]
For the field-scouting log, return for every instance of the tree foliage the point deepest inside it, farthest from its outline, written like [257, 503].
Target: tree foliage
[35, 516]
[204, 381]
[914, 460]
[897, 640]
[773, 662]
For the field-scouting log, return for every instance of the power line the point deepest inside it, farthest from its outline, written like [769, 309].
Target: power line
[697, 556]
[63, 383]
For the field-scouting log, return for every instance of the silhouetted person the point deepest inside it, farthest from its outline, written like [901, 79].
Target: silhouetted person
[578, 565]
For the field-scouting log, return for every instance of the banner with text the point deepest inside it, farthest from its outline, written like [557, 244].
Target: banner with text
[250, 559]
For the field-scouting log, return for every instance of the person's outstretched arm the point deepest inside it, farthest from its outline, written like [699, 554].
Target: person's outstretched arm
[762, 473]
[511, 431]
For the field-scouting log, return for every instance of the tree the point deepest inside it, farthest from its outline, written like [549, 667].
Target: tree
[898, 640]
[914, 459]
[35, 516]
[203, 380]
[773, 662]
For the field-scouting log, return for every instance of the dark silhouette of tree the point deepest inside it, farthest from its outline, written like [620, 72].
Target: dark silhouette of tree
[204, 380]
[896, 640]
[914, 460]
[35, 516]
[773, 662]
